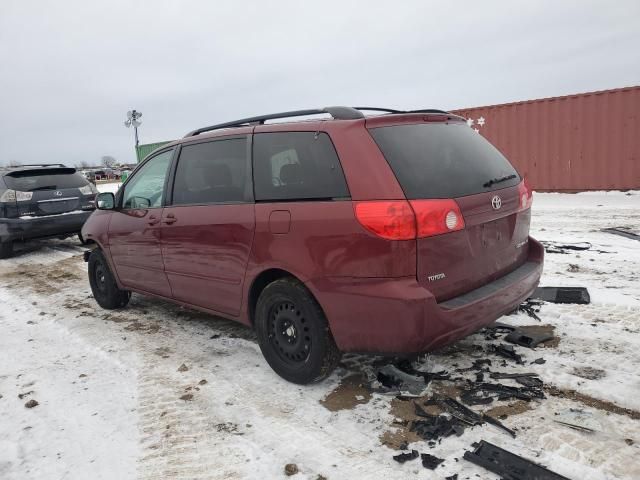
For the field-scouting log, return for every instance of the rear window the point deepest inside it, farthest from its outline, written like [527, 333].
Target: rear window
[29, 181]
[297, 166]
[443, 160]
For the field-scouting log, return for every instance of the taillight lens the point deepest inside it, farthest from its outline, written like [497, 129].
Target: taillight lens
[402, 220]
[435, 217]
[14, 195]
[393, 220]
[526, 195]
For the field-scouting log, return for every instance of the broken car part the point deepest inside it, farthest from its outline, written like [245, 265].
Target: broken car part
[405, 457]
[506, 351]
[430, 461]
[508, 465]
[578, 295]
[529, 340]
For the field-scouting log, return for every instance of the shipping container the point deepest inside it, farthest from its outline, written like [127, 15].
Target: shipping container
[145, 149]
[587, 141]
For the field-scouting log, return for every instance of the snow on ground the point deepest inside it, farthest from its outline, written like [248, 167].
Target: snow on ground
[115, 404]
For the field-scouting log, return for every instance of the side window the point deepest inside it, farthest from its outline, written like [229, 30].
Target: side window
[212, 172]
[146, 187]
[297, 166]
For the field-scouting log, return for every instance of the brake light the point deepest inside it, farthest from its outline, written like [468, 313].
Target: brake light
[393, 220]
[14, 195]
[402, 220]
[438, 216]
[526, 195]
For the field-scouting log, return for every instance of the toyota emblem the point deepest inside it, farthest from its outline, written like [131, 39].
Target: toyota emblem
[57, 193]
[496, 202]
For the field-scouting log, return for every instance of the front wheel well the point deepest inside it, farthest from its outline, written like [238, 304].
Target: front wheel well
[259, 284]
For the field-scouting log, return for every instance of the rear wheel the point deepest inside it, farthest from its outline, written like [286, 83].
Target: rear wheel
[103, 284]
[6, 249]
[293, 333]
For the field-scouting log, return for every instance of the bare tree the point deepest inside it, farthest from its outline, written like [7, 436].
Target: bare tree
[108, 160]
[83, 164]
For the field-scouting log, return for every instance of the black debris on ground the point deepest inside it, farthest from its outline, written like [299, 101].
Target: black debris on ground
[623, 232]
[452, 477]
[405, 457]
[529, 339]
[539, 361]
[508, 465]
[437, 427]
[506, 351]
[531, 307]
[430, 461]
[555, 247]
[574, 295]
[31, 404]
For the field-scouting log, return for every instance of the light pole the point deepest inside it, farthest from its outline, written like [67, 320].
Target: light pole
[133, 118]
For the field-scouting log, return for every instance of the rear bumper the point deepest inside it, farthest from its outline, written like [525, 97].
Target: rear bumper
[44, 226]
[398, 315]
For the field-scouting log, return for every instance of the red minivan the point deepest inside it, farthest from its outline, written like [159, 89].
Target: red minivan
[393, 233]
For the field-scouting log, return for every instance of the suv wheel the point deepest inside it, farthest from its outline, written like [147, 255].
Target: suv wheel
[103, 285]
[6, 249]
[293, 333]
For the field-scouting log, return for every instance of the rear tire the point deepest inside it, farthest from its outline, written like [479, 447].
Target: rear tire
[6, 249]
[103, 284]
[293, 333]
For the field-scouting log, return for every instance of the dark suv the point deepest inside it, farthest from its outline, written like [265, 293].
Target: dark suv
[39, 201]
[394, 233]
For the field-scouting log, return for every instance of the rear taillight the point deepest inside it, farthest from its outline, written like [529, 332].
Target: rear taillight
[526, 195]
[402, 220]
[13, 195]
[393, 219]
[435, 217]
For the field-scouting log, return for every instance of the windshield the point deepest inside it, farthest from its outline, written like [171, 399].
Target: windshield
[32, 181]
[443, 160]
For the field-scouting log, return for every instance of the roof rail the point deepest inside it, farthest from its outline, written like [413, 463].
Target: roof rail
[391, 110]
[40, 165]
[338, 113]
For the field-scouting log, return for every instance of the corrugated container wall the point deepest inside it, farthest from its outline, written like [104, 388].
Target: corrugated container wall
[145, 149]
[589, 141]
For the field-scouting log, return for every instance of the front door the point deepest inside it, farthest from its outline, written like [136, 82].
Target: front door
[208, 229]
[134, 230]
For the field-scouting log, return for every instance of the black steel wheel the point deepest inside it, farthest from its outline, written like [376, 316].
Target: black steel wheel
[103, 285]
[293, 333]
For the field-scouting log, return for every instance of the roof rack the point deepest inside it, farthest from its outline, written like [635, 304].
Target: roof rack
[338, 113]
[39, 165]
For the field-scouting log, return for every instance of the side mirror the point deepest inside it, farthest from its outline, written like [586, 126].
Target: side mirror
[105, 201]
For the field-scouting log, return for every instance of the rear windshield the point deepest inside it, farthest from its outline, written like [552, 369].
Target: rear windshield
[443, 160]
[29, 181]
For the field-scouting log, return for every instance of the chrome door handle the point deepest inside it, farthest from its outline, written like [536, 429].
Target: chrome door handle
[153, 220]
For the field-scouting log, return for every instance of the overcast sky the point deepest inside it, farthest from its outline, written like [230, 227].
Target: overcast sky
[69, 71]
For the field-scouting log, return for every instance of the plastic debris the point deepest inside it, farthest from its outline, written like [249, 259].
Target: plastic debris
[578, 295]
[507, 465]
[405, 457]
[430, 461]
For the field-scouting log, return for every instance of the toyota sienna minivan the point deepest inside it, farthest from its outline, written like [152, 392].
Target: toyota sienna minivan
[393, 233]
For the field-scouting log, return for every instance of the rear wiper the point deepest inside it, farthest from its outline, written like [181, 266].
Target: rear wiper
[499, 180]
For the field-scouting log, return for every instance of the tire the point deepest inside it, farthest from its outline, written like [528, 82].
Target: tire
[6, 249]
[103, 284]
[293, 333]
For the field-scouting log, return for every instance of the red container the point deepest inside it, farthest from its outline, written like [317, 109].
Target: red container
[587, 141]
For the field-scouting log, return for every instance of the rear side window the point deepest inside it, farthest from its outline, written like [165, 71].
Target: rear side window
[29, 181]
[297, 166]
[443, 160]
[212, 172]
